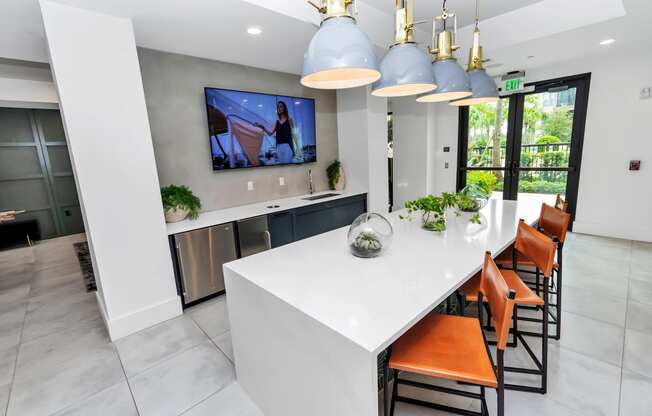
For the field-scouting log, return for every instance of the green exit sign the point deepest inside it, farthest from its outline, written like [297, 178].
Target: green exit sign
[515, 84]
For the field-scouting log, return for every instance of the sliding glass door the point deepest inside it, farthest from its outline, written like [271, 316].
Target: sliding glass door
[527, 143]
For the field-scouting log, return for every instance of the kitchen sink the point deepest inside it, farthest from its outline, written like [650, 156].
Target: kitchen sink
[316, 197]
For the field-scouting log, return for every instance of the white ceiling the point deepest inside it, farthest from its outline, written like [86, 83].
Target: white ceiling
[464, 9]
[512, 30]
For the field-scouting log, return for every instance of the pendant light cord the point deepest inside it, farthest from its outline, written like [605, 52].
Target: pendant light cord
[477, 13]
[443, 7]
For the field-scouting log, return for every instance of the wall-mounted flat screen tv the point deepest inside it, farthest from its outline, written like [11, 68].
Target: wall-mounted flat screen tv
[251, 129]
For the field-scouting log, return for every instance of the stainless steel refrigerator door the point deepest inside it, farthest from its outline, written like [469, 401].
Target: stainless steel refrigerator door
[201, 254]
[254, 235]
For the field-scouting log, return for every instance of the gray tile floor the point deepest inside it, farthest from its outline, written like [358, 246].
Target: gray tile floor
[56, 358]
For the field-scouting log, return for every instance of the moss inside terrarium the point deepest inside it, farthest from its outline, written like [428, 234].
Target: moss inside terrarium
[366, 244]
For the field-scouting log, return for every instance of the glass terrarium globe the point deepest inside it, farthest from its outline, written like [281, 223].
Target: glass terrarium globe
[472, 198]
[370, 235]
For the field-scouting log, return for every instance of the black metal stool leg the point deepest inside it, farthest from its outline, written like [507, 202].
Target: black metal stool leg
[515, 325]
[559, 291]
[461, 303]
[544, 339]
[394, 394]
[386, 385]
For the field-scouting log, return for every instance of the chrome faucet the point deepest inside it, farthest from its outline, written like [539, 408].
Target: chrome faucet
[311, 188]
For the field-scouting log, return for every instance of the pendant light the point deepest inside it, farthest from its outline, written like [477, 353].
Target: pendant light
[483, 86]
[406, 69]
[452, 81]
[340, 55]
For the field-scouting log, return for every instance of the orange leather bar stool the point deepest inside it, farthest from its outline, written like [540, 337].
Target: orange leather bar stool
[540, 250]
[455, 348]
[554, 223]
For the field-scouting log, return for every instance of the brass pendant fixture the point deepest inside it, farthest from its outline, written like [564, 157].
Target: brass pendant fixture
[452, 82]
[406, 69]
[483, 86]
[340, 55]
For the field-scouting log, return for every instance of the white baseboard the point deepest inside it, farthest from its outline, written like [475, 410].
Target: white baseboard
[637, 233]
[124, 325]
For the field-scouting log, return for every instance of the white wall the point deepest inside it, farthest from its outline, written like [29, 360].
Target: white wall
[95, 67]
[362, 142]
[177, 116]
[415, 150]
[26, 85]
[27, 93]
[612, 201]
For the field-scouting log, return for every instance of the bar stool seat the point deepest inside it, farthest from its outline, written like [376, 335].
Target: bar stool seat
[445, 346]
[524, 295]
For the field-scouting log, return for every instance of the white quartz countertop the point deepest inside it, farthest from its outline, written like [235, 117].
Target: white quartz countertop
[373, 301]
[222, 216]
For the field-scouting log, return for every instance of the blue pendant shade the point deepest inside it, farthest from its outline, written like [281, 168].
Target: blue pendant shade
[339, 56]
[484, 89]
[452, 82]
[405, 70]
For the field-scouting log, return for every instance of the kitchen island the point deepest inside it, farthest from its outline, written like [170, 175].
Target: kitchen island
[309, 319]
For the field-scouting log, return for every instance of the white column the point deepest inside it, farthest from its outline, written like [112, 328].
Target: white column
[415, 155]
[96, 70]
[362, 137]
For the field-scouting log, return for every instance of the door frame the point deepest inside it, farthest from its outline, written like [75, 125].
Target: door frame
[582, 83]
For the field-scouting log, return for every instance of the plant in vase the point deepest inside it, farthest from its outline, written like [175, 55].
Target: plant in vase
[335, 175]
[472, 198]
[433, 211]
[179, 202]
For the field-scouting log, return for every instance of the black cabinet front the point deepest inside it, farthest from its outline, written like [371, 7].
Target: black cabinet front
[289, 226]
[281, 228]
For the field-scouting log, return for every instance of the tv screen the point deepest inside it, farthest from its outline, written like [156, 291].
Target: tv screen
[250, 129]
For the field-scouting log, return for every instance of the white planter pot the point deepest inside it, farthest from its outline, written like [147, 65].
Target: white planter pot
[176, 215]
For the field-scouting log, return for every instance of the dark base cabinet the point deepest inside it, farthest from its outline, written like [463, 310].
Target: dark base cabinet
[281, 228]
[297, 224]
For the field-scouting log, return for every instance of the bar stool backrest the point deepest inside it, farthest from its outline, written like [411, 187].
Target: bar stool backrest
[554, 222]
[536, 246]
[561, 203]
[500, 298]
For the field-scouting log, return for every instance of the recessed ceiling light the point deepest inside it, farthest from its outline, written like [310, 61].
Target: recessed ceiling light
[607, 42]
[253, 30]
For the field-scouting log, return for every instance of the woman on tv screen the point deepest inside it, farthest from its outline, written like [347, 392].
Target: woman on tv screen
[283, 131]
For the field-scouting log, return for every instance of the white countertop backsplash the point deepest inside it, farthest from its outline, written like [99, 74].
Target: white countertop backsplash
[222, 216]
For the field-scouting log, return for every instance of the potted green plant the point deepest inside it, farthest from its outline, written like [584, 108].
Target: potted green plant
[179, 202]
[433, 210]
[335, 174]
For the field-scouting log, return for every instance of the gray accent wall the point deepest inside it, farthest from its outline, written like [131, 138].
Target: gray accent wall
[174, 91]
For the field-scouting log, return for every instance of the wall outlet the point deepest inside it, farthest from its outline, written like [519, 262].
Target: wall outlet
[446, 165]
[250, 186]
[646, 93]
[281, 181]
